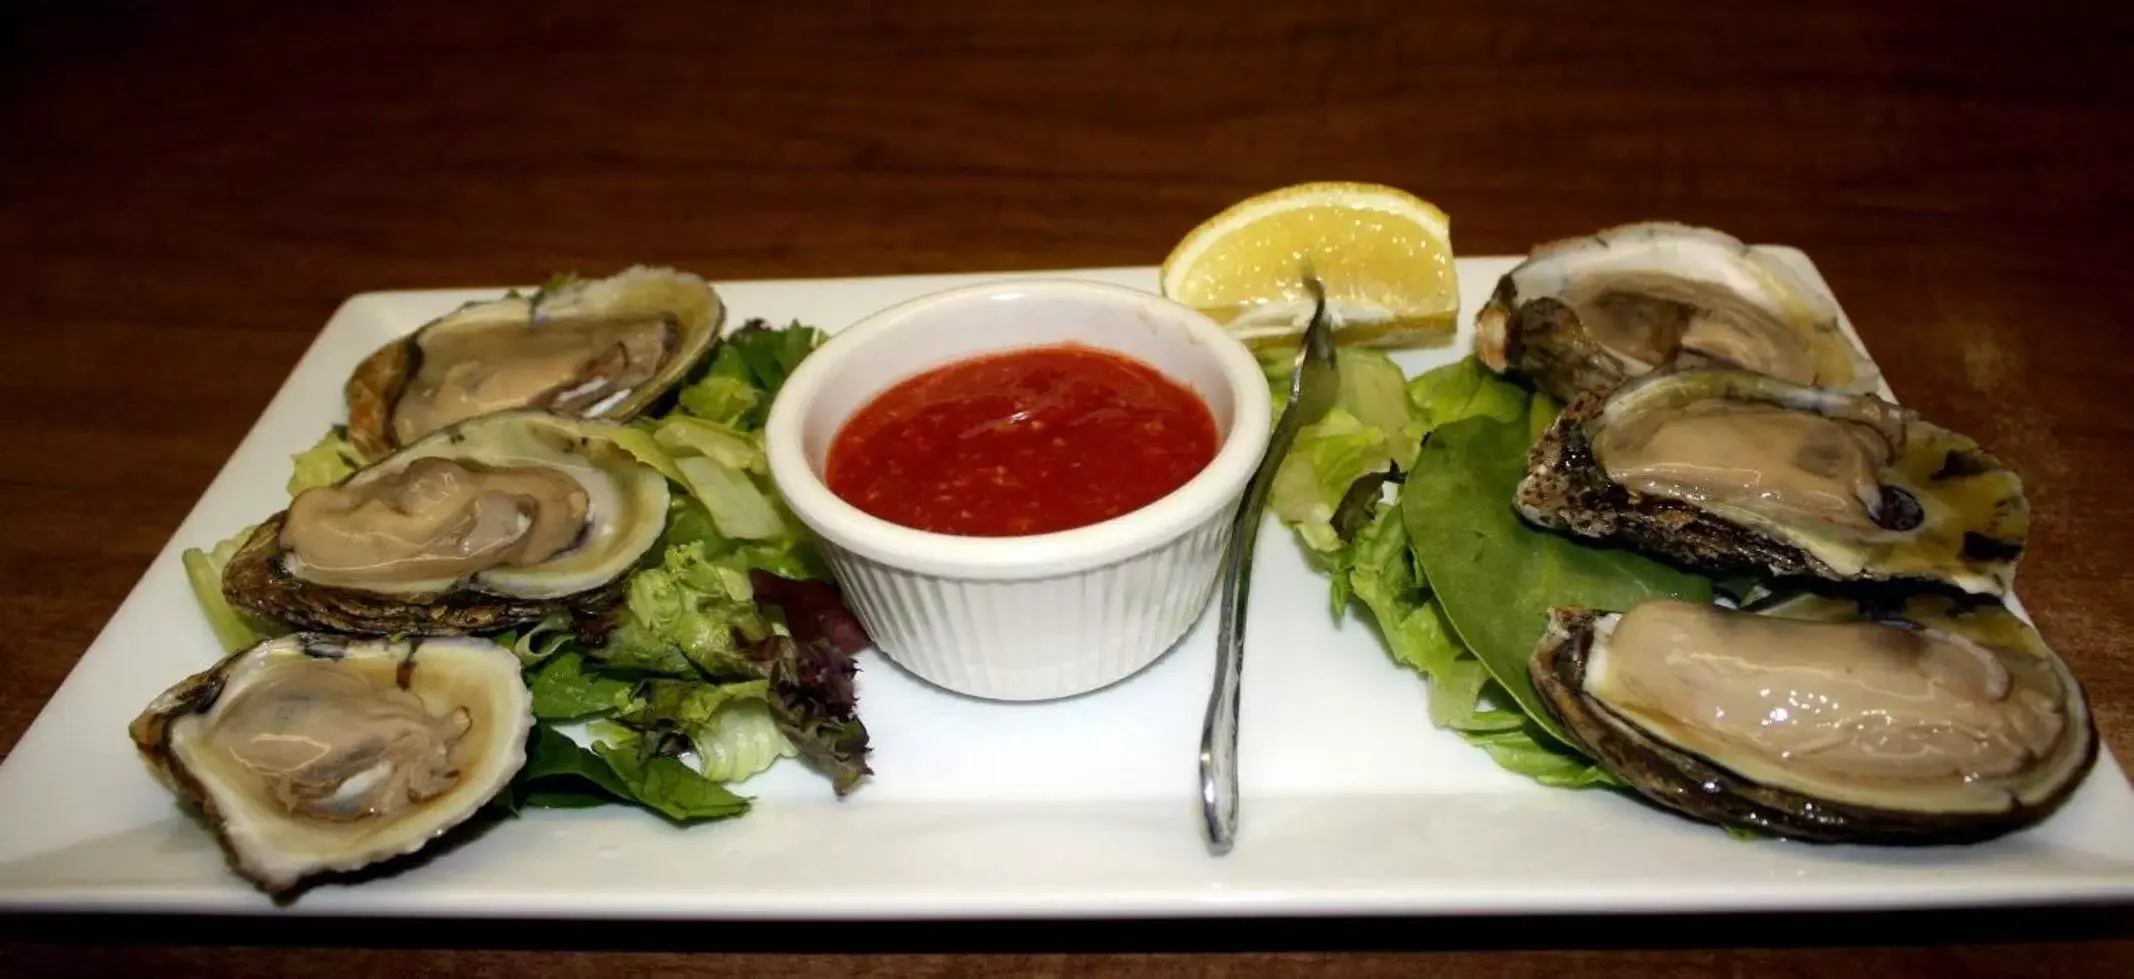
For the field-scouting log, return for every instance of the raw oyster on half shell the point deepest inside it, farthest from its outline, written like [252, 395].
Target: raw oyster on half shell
[1734, 472]
[312, 753]
[600, 348]
[492, 523]
[1587, 314]
[1936, 721]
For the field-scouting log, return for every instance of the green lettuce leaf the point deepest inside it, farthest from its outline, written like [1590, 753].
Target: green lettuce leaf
[564, 691]
[1365, 545]
[699, 660]
[681, 704]
[1466, 389]
[693, 612]
[1495, 575]
[811, 670]
[560, 774]
[691, 621]
[791, 556]
[1462, 691]
[726, 471]
[729, 725]
[721, 398]
[1534, 753]
[758, 358]
[1415, 630]
[668, 786]
[1338, 466]
[813, 702]
[1374, 391]
[738, 506]
[740, 741]
[540, 641]
[689, 522]
[764, 356]
[636, 438]
[1326, 460]
[332, 459]
[1276, 363]
[1383, 578]
[683, 436]
[203, 570]
[635, 649]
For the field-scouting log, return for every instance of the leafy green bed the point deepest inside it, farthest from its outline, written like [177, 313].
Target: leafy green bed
[731, 650]
[1457, 583]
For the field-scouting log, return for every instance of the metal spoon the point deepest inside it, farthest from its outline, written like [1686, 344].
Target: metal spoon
[1312, 385]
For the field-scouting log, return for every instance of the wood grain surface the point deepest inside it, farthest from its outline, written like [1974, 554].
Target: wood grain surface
[188, 189]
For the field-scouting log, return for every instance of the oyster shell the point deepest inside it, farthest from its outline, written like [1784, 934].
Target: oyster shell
[499, 521]
[601, 348]
[1736, 472]
[1586, 314]
[312, 753]
[1935, 723]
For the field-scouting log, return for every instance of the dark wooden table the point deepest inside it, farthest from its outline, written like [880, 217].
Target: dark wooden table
[187, 190]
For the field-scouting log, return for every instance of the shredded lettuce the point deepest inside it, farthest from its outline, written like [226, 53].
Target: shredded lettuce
[764, 356]
[540, 641]
[738, 506]
[1384, 578]
[791, 556]
[725, 470]
[1372, 429]
[332, 459]
[740, 741]
[729, 726]
[693, 612]
[720, 398]
[685, 705]
[1539, 757]
[638, 441]
[701, 619]
[719, 442]
[1327, 459]
[203, 570]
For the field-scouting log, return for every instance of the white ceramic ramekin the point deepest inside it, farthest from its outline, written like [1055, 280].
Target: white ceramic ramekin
[1048, 615]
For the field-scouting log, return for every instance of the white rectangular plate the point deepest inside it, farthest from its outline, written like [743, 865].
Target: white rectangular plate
[1353, 803]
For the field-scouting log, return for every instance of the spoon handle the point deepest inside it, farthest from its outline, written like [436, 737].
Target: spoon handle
[1312, 389]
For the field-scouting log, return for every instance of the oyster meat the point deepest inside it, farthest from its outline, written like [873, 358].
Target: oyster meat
[499, 521]
[1584, 315]
[1930, 723]
[602, 348]
[313, 753]
[1735, 472]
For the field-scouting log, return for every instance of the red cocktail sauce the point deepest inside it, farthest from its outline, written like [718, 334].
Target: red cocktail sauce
[1027, 442]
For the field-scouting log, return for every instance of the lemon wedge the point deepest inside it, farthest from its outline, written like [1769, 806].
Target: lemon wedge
[1384, 255]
